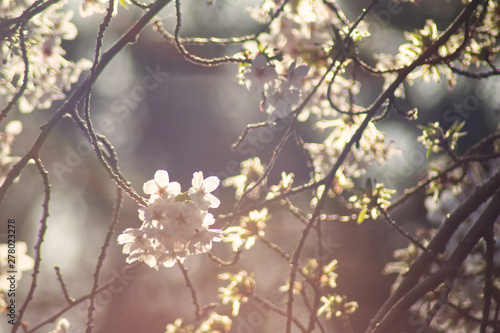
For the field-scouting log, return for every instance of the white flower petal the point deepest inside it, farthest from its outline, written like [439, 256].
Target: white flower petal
[162, 178]
[150, 187]
[208, 220]
[174, 188]
[213, 200]
[197, 179]
[211, 183]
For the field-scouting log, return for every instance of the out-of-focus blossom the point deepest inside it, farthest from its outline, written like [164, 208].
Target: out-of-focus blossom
[13, 257]
[259, 74]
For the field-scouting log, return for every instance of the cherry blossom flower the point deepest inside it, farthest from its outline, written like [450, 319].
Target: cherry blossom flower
[50, 72]
[259, 74]
[200, 192]
[161, 185]
[170, 258]
[156, 211]
[202, 241]
[248, 231]
[138, 245]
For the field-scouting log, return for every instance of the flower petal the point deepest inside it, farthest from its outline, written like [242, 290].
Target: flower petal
[174, 188]
[197, 179]
[214, 202]
[150, 187]
[211, 183]
[162, 178]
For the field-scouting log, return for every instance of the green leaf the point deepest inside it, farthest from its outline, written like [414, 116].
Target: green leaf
[362, 216]
[125, 3]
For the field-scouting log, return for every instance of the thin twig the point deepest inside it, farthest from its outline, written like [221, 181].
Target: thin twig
[406, 234]
[221, 262]
[38, 246]
[197, 312]
[102, 256]
[82, 299]
[192, 58]
[273, 307]
[63, 285]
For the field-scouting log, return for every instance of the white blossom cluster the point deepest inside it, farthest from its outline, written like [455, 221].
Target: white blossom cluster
[279, 94]
[174, 224]
[309, 31]
[50, 73]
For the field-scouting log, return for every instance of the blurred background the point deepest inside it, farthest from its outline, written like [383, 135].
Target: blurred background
[187, 123]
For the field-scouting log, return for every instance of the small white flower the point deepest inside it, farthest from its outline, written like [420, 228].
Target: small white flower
[139, 247]
[146, 257]
[259, 74]
[134, 240]
[202, 241]
[155, 211]
[200, 192]
[162, 186]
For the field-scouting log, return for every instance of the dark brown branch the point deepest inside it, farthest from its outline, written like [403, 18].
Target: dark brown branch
[488, 278]
[438, 243]
[449, 269]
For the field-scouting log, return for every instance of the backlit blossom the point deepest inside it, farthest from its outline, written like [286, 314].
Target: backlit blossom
[251, 171]
[250, 228]
[241, 286]
[215, 323]
[50, 72]
[259, 74]
[200, 192]
[175, 225]
[161, 185]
